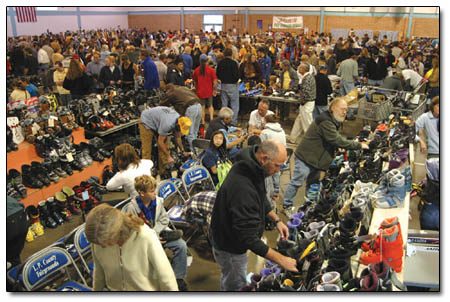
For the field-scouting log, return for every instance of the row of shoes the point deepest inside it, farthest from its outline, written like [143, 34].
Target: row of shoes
[55, 167]
[60, 208]
[102, 112]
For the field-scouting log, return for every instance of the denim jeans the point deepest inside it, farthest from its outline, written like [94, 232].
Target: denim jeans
[301, 172]
[234, 269]
[346, 87]
[194, 112]
[318, 110]
[375, 82]
[429, 217]
[179, 260]
[230, 98]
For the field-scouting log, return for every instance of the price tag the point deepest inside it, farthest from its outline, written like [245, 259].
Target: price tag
[69, 157]
[85, 195]
[36, 127]
[51, 122]
[106, 113]
[33, 130]
[131, 104]
[99, 97]
[54, 152]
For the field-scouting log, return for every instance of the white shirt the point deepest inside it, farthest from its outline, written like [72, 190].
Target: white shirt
[257, 120]
[43, 57]
[126, 178]
[414, 77]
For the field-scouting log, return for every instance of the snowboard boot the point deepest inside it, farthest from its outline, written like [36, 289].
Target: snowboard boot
[54, 211]
[47, 165]
[29, 180]
[327, 288]
[45, 216]
[341, 266]
[385, 224]
[61, 201]
[36, 226]
[39, 172]
[390, 249]
[73, 202]
[331, 278]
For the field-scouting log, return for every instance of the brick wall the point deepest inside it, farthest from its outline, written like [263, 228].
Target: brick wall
[425, 27]
[155, 22]
[193, 22]
[238, 21]
[421, 27]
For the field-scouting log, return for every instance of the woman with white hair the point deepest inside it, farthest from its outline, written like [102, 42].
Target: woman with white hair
[127, 254]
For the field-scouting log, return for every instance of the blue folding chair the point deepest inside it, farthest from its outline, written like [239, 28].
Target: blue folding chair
[43, 267]
[83, 248]
[198, 143]
[197, 176]
[167, 189]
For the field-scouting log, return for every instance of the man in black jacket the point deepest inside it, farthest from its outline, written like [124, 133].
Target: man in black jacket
[376, 69]
[228, 73]
[240, 212]
[323, 89]
[175, 72]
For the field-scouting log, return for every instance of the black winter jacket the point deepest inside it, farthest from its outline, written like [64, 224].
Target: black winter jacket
[241, 207]
[106, 75]
[376, 71]
[323, 89]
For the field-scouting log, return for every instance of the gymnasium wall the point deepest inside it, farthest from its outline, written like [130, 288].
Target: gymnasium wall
[424, 21]
[155, 22]
[367, 23]
[425, 27]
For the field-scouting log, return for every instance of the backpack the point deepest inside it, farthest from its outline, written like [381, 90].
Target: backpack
[223, 167]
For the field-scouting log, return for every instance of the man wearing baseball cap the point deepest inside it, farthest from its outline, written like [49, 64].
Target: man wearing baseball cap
[162, 121]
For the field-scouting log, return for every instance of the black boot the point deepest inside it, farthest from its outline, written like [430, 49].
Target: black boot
[46, 218]
[54, 210]
[30, 180]
[40, 173]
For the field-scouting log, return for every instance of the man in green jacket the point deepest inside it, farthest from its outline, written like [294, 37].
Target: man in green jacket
[316, 150]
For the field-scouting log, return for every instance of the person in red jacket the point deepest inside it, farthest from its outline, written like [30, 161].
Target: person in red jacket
[205, 80]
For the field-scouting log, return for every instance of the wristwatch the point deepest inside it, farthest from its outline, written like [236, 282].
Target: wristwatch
[276, 221]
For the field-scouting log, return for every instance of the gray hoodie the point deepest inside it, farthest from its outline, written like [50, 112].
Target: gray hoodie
[273, 131]
[161, 217]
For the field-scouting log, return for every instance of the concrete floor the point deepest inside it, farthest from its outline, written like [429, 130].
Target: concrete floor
[204, 273]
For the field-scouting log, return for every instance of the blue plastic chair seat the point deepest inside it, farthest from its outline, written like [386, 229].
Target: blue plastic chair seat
[72, 286]
[12, 273]
[91, 266]
[175, 213]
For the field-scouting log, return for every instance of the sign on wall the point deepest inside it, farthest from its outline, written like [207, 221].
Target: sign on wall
[287, 22]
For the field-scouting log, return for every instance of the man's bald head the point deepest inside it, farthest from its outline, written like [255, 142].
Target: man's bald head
[272, 155]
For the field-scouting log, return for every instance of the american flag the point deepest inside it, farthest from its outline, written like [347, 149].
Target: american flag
[26, 14]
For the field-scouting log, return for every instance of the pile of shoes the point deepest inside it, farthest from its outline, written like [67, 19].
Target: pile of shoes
[14, 185]
[56, 210]
[10, 144]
